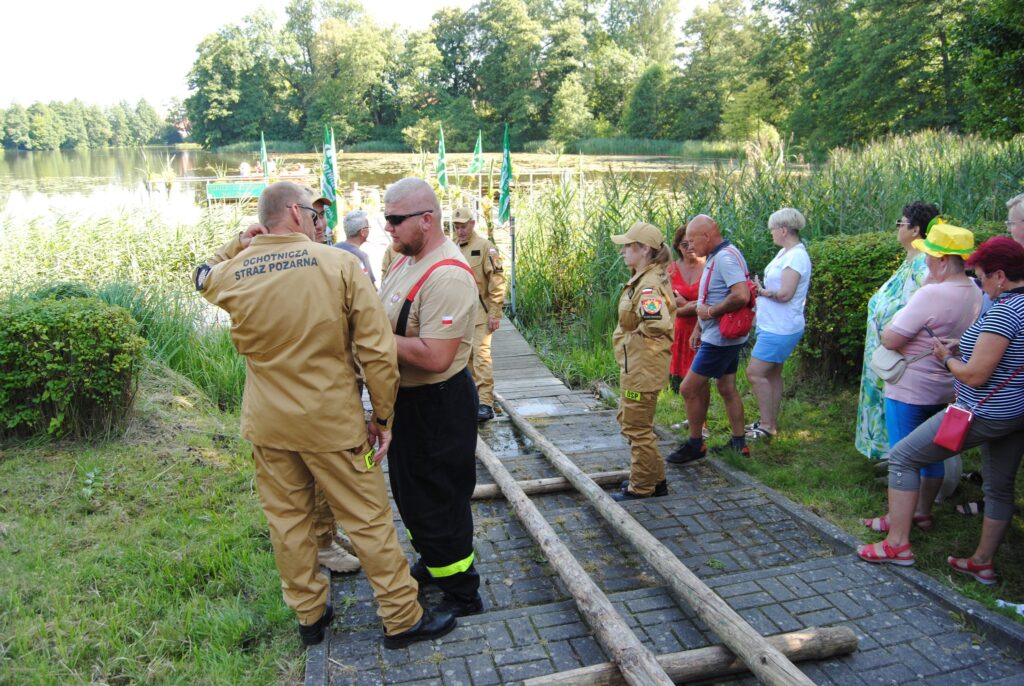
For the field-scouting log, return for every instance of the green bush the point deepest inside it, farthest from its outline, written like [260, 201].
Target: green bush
[67, 367]
[377, 146]
[847, 272]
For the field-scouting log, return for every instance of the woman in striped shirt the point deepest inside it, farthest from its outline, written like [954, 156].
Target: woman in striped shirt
[989, 380]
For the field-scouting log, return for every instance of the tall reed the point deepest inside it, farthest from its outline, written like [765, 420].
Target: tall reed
[569, 273]
[178, 332]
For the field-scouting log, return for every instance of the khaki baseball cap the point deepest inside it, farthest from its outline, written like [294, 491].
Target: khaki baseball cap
[641, 232]
[461, 215]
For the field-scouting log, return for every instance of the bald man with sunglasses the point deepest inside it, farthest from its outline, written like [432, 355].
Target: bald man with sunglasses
[431, 299]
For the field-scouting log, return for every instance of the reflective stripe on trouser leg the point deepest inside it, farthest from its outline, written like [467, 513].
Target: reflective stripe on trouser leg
[359, 499]
[636, 417]
[432, 468]
[285, 486]
[482, 366]
[323, 520]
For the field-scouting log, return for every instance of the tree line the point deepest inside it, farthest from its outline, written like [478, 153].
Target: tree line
[818, 72]
[49, 126]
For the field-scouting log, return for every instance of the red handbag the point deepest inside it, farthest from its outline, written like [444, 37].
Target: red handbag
[738, 323]
[956, 421]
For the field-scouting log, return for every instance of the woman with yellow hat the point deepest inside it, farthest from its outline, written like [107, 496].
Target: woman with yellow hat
[988, 368]
[643, 349]
[943, 308]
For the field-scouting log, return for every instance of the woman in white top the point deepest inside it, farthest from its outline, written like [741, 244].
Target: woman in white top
[780, 317]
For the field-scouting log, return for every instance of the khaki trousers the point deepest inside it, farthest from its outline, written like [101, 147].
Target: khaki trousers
[480, 365]
[357, 495]
[324, 525]
[636, 417]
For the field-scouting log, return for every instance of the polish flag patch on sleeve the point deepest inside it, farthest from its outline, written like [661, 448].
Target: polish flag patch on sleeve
[447, 319]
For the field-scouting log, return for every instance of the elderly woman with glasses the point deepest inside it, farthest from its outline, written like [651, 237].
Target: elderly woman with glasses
[872, 438]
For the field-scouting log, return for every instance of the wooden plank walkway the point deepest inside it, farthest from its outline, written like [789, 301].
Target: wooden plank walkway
[764, 555]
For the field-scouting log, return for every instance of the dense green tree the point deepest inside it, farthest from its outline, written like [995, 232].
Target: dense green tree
[719, 42]
[510, 41]
[242, 85]
[97, 127]
[745, 112]
[570, 118]
[72, 117]
[351, 60]
[647, 112]
[148, 124]
[46, 130]
[17, 130]
[644, 27]
[120, 118]
[610, 79]
[564, 46]
[456, 38]
[991, 45]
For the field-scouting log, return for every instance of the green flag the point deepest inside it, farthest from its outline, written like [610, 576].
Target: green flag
[477, 165]
[442, 167]
[263, 157]
[328, 180]
[505, 202]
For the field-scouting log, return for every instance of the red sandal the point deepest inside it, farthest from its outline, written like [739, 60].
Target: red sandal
[897, 555]
[881, 524]
[983, 574]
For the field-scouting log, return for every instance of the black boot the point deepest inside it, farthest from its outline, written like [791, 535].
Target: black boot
[313, 634]
[431, 625]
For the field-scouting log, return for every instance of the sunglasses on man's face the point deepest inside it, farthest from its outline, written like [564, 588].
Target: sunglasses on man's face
[396, 219]
[313, 212]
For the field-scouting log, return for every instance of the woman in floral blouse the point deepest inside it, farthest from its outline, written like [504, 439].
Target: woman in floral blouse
[872, 439]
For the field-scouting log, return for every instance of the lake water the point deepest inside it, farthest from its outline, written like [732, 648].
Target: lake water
[139, 173]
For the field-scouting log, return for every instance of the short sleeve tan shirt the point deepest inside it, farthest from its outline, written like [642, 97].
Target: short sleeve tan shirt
[444, 308]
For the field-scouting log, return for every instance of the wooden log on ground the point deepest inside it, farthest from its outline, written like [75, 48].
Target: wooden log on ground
[552, 485]
[715, 661]
[765, 661]
[638, 665]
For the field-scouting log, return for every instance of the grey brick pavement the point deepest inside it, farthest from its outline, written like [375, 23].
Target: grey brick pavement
[756, 550]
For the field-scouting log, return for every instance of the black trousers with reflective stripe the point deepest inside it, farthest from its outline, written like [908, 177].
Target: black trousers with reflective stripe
[432, 468]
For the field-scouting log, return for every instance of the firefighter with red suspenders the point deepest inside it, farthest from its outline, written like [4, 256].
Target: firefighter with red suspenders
[430, 296]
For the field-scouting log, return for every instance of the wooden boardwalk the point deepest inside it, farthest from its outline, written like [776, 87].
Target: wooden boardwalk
[775, 564]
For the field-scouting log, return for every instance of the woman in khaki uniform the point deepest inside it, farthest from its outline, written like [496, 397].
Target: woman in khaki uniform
[643, 349]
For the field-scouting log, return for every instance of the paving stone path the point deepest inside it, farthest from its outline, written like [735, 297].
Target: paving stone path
[780, 567]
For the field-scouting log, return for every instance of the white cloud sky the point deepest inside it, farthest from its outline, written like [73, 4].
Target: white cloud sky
[109, 50]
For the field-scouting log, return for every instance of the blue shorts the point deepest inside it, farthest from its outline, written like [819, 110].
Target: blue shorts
[775, 347]
[901, 419]
[716, 361]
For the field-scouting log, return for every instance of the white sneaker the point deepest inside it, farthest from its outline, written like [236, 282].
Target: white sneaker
[341, 539]
[336, 559]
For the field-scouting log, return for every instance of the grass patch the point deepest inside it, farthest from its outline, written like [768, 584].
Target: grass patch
[144, 559]
[377, 146]
[646, 146]
[272, 146]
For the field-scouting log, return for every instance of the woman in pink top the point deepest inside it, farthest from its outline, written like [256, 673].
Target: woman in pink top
[942, 308]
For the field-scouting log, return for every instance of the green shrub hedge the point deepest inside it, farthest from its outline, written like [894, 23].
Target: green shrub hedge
[68, 367]
[847, 270]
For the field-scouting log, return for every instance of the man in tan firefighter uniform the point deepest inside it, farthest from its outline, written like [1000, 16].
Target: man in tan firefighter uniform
[487, 267]
[334, 549]
[430, 297]
[298, 308]
[643, 348]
